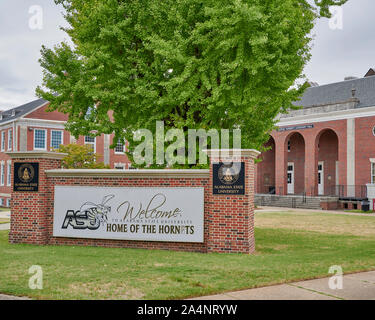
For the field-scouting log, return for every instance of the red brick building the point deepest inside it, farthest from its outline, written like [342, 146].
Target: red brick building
[31, 128]
[326, 148]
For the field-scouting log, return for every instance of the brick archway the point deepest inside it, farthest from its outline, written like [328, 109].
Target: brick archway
[294, 146]
[327, 168]
[265, 178]
[282, 156]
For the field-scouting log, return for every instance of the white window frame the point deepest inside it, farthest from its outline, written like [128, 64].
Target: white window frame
[3, 140]
[123, 149]
[90, 143]
[9, 173]
[2, 173]
[291, 185]
[62, 137]
[45, 139]
[372, 170]
[10, 139]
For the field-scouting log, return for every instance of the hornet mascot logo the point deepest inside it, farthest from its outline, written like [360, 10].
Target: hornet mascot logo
[89, 216]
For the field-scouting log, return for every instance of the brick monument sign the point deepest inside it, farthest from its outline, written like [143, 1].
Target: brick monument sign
[187, 210]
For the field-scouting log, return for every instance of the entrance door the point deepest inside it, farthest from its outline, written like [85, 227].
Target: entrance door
[321, 178]
[290, 177]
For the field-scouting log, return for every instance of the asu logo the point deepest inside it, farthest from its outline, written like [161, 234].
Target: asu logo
[229, 173]
[89, 216]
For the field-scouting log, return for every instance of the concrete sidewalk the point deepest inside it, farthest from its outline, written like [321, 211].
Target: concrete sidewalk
[6, 297]
[357, 286]
[5, 215]
[4, 226]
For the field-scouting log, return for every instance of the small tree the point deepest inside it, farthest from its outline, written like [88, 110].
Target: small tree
[80, 157]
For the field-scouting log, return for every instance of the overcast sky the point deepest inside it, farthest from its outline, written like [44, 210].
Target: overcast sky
[336, 53]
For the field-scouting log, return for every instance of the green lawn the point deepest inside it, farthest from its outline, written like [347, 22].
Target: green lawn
[290, 246]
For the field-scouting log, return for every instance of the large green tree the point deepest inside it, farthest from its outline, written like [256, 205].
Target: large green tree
[191, 63]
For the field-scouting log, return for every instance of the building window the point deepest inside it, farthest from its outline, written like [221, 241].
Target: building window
[1, 202]
[91, 141]
[40, 139]
[120, 147]
[288, 145]
[8, 202]
[372, 172]
[2, 173]
[10, 139]
[3, 141]
[120, 166]
[56, 139]
[9, 170]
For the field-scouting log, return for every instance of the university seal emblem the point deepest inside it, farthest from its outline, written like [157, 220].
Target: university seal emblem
[228, 173]
[26, 173]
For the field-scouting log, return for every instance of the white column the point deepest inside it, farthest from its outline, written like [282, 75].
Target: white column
[350, 157]
[23, 138]
[107, 143]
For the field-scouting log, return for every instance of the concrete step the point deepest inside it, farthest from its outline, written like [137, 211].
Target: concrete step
[288, 201]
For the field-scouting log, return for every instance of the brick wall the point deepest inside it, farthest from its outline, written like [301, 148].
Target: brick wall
[231, 227]
[365, 149]
[30, 209]
[42, 113]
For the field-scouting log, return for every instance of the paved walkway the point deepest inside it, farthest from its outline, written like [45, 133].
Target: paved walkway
[6, 297]
[357, 286]
[6, 215]
[4, 226]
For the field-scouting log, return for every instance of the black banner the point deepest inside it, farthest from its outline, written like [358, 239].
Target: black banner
[308, 126]
[229, 178]
[26, 176]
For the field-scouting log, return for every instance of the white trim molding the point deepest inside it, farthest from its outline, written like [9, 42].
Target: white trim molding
[142, 173]
[329, 116]
[9, 173]
[10, 139]
[2, 173]
[252, 153]
[50, 124]
[36, 154]
[5, 195]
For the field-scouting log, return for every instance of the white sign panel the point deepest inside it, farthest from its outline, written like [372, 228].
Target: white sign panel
[151, 214]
